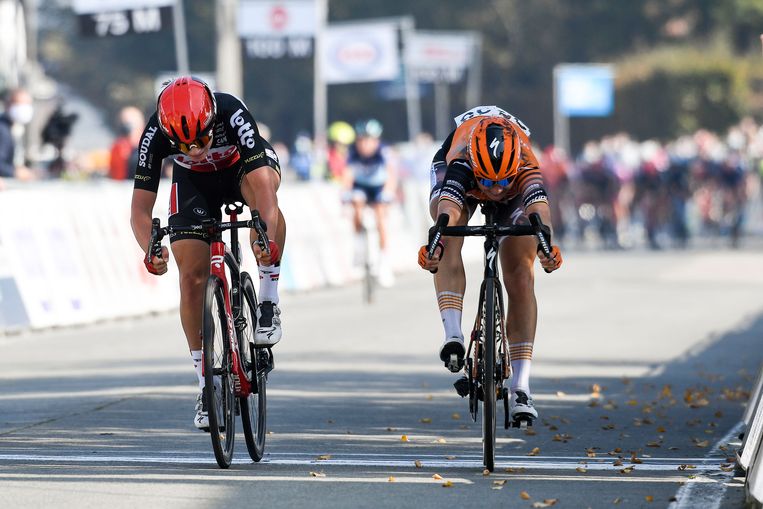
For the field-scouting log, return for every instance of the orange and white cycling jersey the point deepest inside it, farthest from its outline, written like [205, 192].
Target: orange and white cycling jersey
[452, 173]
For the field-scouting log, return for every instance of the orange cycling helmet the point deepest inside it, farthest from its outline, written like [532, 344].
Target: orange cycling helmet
[186, 109]
[495, 150]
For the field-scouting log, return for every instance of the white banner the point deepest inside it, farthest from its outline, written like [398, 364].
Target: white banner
[92, 6]
[360, 52]
[268, 19]
[439, 56]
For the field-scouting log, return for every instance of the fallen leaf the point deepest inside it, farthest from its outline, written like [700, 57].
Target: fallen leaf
[417, 463]
[727, 468]
[499, 482]
[661, 429]
[456, 416]
[390, 479]
[635, 460]
[534, 452]
[702, 443]
[324, 457]
[404, 438]
[450, 457]
[685, 467]
[653, 444]
[649, 498]
[330, 421]
[437, 477]
[486, 472]
[440, 441]
[581, 470]
[317, 474]
[666, 392]
[447, 484]
[631, 402]
[524, 495]
[429, 397]
[626, 470]
[530, 432]
[617, 463]
[560, 394]
[548, 502]
[617, 500]
[425, 420]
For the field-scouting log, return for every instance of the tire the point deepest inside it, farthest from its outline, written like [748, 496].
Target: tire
[254, 406]
[488, 378]
[221, 405]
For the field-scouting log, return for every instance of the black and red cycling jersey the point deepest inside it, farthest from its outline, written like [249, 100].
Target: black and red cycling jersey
[236, 140]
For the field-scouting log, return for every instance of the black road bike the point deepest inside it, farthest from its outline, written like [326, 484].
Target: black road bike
[487, 364]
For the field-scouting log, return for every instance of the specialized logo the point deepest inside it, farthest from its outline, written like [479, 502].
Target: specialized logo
[144, 143]
[200, 211]
[218, 261]
[494, 146]
[491, 257]
[245, 131]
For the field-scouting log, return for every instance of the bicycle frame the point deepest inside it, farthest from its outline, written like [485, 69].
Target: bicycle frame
[220, 256]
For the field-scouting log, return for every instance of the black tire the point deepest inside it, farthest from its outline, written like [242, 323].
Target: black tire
[254, 406]
[221, 405]
[488, 377]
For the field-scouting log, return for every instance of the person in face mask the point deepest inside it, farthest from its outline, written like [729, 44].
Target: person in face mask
[18, 113]
[124, 149]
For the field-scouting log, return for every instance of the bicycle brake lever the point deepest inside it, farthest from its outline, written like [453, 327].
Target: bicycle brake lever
[543, 244]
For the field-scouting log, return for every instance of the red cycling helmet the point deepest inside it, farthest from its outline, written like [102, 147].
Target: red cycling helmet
[186, 109]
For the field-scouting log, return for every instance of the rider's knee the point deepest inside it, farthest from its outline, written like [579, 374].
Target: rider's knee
[193, 279]
[520, 280]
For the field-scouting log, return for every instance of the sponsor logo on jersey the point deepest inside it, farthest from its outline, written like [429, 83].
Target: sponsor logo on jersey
[271, 154]
[200, 211]
[144, 178]
[245, 131]
[255, 157]
[144, 143]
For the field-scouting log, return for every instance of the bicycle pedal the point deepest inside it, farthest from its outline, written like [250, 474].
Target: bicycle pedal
[455, 363]
[522, 422]
[462, 386]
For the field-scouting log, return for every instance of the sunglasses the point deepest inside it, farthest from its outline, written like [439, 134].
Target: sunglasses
[200, 142]
[490, 183]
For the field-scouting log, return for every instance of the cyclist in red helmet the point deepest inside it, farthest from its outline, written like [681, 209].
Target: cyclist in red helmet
[488, 157]
[219, 157]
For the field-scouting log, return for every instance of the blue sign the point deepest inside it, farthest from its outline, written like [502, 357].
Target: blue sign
[584, 90]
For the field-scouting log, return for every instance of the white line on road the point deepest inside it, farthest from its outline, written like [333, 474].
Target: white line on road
[705, 465]
[704, 494]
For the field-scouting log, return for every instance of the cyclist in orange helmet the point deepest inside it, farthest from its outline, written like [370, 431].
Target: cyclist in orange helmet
[219, 157]
[488, 157]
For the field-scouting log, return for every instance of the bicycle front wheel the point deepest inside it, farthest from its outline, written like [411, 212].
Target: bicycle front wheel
[219, 395]
[253, 406]
[488, 375]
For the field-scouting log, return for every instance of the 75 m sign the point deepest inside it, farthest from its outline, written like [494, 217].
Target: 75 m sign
[132, 21]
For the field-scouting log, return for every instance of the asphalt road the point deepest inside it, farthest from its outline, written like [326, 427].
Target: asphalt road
[642, 366]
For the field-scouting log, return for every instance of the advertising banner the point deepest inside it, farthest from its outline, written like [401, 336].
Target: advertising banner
[360, 52]
[277, 29]
[104, 18]
[439, 56]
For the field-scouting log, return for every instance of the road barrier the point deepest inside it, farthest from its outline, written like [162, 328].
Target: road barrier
[750, 458]
[68, 256]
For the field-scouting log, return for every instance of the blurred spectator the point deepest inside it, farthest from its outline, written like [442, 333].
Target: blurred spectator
[555, 167]
[56, 132]
[301, 158]
[18, 113]
[124, 150]
[340, 136]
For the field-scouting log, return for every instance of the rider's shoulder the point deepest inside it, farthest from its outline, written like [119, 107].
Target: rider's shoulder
[229, 103]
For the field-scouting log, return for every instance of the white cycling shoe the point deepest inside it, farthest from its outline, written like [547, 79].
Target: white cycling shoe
[521, 406]
[268, 331]
[201, 420]
[452, 353]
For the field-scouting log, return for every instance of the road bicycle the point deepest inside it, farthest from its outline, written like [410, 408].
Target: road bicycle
[235, 371]
[487, 363]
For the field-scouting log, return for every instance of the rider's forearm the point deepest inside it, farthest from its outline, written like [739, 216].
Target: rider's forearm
[140, 216]
[542, 209]
[267, 206]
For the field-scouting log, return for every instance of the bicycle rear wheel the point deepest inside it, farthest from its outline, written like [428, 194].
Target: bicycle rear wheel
[219, 396]
[253, 406]
[488, 376]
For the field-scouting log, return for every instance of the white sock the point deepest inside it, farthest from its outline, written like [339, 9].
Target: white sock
[196, 358]
[451, 305]
[269, 275]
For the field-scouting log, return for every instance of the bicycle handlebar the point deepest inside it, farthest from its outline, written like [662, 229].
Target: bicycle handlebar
[440, 230]
[211, 226]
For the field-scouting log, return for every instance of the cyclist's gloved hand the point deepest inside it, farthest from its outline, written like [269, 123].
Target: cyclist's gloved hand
[157, 265]
[546, 232]
[424, 261]
[262, 257]
[552, 263]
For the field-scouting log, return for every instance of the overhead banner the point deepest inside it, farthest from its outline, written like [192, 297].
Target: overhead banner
[360, 52]
[104, 18]
[277, 29]
[585, 90]
[439, 56]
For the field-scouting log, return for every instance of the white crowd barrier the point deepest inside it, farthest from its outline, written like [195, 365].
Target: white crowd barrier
[751, 456]
[68, 256]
